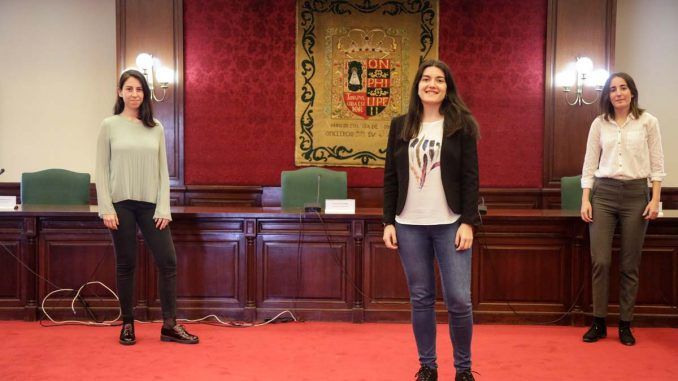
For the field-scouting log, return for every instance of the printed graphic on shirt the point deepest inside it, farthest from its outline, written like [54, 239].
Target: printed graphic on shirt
[424, 158]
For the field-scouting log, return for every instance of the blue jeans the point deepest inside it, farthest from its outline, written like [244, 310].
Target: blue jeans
[419, 245]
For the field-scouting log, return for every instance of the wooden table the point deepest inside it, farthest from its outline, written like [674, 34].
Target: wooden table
[247, 263]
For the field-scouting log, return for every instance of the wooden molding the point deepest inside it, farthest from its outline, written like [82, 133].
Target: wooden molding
[228, 195]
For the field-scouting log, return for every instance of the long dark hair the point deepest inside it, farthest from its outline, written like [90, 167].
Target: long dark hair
[606, 106]
[457, 115]
[145, 110]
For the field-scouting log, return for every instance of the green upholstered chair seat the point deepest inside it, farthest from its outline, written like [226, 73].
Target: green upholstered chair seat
[301, 186]
[570, 192]
[55, 187]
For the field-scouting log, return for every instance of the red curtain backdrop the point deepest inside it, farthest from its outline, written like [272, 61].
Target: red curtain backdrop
[239, 88]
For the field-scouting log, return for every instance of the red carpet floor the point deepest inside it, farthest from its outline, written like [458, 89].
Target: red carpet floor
[328, 352]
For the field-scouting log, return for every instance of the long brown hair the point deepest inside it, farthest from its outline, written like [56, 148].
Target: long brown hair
[456, 115]
[145, 110]
[606, 106]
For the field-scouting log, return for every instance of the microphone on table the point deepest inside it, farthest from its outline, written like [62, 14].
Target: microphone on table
[312, 207]
[482, 208]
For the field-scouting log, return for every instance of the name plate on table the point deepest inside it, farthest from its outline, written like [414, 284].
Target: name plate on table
[7, 202]
[346, 206]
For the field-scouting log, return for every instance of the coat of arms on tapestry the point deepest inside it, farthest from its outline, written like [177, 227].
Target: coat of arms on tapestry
[354, 64]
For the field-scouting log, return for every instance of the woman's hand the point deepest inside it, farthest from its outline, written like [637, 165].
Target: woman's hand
[464, 238]
[651, 210]
[161, 223]
[111, 221]
[390, 239]
[586, 211]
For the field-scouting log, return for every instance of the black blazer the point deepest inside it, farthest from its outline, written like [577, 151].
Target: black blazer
[458, 169]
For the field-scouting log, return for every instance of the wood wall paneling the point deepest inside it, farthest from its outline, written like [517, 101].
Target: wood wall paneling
[514, 272]
[574, 28]
[219, 195]
[211, 268]
[156, 27]
[17, 286]
[306, 266]
[72, 252]
[528, 266]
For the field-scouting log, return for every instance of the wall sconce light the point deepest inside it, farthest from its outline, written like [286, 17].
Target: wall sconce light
[580, 74]
[152, 70]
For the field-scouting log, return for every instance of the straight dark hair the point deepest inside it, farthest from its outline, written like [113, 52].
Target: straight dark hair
[606, 106]
[456, 115]
[146, 109]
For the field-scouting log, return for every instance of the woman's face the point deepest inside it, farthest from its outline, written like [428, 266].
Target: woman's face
[432, 86]
[620, 94]
[132, 93]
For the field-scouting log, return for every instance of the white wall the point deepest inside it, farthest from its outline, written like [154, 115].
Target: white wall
[57, 82]
[647, 48]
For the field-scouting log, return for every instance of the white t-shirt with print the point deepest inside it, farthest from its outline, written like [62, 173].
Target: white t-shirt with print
[426, 203]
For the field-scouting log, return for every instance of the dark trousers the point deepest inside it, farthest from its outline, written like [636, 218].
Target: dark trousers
[130, 214]
[617, 202]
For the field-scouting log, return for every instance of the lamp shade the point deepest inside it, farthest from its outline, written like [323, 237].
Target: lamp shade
[599, 77]
[165, 75]
[584, 65]
[144, 61]
[566, 78]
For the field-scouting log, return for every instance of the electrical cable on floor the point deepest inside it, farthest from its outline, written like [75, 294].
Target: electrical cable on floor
[82, 300]
[90, 312]
[27, 267]
[115, 322]
[71, 322]
[298, 267]
[233, 323]
[241, 324]
[78, 295]
[344, 272]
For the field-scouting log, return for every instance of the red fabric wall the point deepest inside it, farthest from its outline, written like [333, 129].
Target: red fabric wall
[239, 88]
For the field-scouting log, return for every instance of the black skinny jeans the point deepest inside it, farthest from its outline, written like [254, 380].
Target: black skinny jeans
[130, 214]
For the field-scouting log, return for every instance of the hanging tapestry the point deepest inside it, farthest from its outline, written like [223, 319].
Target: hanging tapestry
[354, 64]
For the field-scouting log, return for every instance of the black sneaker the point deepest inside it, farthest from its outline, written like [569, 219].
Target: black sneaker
[427, 373]
[127, 335]
[625, 335]
[464, 376]
[178, 334]
[597, 331]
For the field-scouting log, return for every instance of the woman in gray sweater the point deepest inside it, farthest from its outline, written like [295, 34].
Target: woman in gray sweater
[132, 183]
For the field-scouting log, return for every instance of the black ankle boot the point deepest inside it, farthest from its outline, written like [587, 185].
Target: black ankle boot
[427, 373]
[127, 336]
[597, 331]
[465, 375]
[625, 335]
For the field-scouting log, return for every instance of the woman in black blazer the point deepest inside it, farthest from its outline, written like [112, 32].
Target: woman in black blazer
[430, 208]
